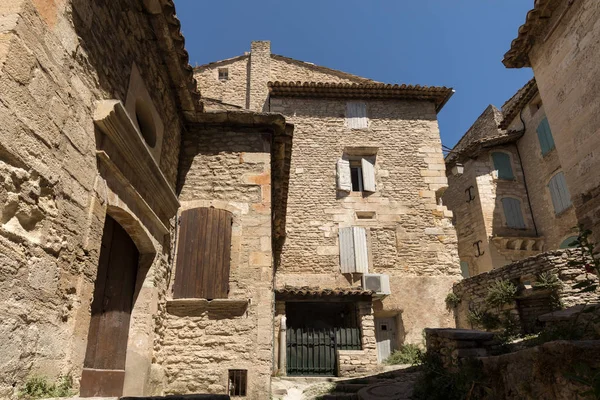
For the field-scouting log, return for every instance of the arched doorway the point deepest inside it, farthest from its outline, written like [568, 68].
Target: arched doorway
[104, 365]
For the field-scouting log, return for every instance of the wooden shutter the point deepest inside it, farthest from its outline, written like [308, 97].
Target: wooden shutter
[347, 263]
[561, 198]
[344, 178]
[203, 254]
[356, 115]
[464, 269]
[502, 165]
[545, 136]
[513, 213]
[368, 172]
[361, 257]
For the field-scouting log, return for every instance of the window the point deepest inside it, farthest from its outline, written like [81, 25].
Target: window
[223, 74]
[561, 199]
[203, 231]
[356, 175]
[545, 136]
[512, 213]
[502, 165]
[356, 115]
[353, 250]
[470, 195]
[238, 382]
[464, 269]
[569, 242]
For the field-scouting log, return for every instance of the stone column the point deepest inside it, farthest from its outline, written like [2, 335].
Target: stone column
[260, 69]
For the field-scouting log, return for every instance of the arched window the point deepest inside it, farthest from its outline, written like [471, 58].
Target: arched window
[502, 165]
[545, 136]
[569, 242]
[512, 213]
[561, 198]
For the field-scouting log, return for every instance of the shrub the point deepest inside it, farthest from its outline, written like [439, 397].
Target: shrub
[483, 319]
[452, 301]
[408, 354]
[547, 281]
[38, 387]
[501, 293]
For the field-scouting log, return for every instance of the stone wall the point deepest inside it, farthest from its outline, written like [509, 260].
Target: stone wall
[411, 237]
[568, 81]
[359, 362]
[538, 169]
[524, 274]
[57, 60]
[230, 169]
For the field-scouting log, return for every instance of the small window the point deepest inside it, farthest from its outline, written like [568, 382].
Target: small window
[354, 250]
[502, 165]
[569, 242]
[357, 175]
[545, 136]
[223, 74]
[143, 115]
[464, 269]
[512, 213]
[384, 327]
[561, 198]
[356, 115]
[238, 382]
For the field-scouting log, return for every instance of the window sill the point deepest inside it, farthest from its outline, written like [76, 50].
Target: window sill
[563, 212]
[219, 308]
[549, 152]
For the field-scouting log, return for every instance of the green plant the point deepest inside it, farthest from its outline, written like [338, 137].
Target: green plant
[500, 293]
[588, 261]
[38, 387]
[547, 281]
[482, 318]
[408, 354]
[452, 301]
[437, 383]
[511, 329]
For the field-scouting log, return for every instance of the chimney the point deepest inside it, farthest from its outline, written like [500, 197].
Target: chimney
[260, 70]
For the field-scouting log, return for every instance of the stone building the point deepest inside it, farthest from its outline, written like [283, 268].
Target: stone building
[506, 186]
[362, 213]
[558, 41]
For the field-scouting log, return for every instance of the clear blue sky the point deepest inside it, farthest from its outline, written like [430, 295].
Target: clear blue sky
[454, 43]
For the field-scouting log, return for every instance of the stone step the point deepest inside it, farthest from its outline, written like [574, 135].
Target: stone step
[339, 396]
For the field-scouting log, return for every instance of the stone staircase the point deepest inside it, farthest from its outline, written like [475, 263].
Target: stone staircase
[396, 384]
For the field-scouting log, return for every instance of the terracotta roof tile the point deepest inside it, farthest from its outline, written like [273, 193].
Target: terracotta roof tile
[515, 104]
[436, 94]
[306, 291]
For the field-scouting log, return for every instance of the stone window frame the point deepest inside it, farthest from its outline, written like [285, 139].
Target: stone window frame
[223, 74]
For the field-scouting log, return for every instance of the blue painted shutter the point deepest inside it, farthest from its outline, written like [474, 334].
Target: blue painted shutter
[512, 213]
[502, 165]
[545, 136]
[561, 198]
[569, 242]
[464, 268]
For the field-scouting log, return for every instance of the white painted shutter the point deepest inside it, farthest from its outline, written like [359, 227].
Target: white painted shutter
[361, 257]
[368, 172]
[356, 115]
[344, 179]
[347, 263]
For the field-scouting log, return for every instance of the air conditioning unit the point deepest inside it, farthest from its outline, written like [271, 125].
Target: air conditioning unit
[378, 283]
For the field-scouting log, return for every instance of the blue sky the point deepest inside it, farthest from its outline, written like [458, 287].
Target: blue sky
[454, 43]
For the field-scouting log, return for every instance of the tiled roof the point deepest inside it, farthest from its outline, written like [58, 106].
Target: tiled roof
[306, 291]
[327, 70]
[438, 95]
[215, 63]
[515, 104]
[173, 45]
[517, 56]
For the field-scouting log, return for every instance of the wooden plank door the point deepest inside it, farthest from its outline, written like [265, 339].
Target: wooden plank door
[385, 334]
[104, 365]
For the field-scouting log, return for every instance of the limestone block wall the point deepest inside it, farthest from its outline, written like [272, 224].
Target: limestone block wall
[233, 90]
[410, 235]
[57, 59]
[568, 82]
[473, 291]
[538, 169]
[357, 362]
[228, 169]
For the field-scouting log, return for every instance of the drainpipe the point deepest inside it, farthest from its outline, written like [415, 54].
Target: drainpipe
[282, 344]
[525, 180]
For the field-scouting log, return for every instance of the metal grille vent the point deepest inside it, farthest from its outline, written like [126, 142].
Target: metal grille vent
[373, 283]
[238, 380]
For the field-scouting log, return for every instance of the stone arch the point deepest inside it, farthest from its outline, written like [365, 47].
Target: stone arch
[133, 226]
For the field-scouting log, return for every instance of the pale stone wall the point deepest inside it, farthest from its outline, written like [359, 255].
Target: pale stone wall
[233, 90]
[288, 70]
[538, 170]
[568, 81]
[57, 59]
[473, 291]
[411, 237]
[231, 170]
